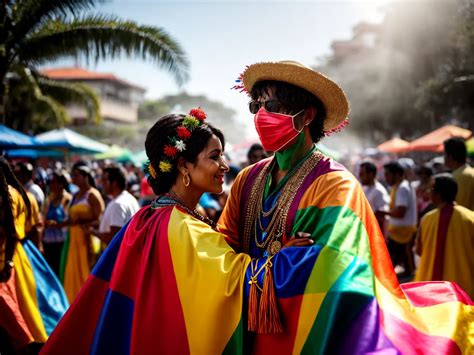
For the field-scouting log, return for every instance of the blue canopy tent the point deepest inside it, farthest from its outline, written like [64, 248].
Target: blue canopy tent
[11, 139]
[71, 142]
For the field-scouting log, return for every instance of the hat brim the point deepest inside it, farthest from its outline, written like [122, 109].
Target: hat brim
[331, 95]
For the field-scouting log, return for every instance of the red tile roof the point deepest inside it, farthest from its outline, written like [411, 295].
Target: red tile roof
[76, 73]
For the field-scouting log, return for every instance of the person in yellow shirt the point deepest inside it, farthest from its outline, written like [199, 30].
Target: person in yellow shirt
[455, 156]
[446, 238]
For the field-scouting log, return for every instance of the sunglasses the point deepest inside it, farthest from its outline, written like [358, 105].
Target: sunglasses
[270, 105]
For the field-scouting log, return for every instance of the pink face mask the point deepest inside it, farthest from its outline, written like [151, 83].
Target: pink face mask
[275, 129]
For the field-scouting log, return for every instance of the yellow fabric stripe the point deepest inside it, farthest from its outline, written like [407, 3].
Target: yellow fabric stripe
[210, 282]
[320, 281]
[26, 293]
[308, 312]
[450, 320]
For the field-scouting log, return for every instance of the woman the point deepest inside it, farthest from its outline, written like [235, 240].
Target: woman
[169, 283]
[55, 213]
[31, 298]
[78, 253]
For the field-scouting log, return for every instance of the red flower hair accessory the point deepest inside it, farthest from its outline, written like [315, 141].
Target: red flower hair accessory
[194, 119]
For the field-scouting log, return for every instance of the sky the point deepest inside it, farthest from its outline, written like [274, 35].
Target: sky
[221, 37]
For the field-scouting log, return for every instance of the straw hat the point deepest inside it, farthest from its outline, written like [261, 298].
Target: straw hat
[331, 95]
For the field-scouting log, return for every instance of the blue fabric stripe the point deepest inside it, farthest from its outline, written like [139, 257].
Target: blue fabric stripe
[105, 265]
[52, 300]
[113, 332]
[292, 268]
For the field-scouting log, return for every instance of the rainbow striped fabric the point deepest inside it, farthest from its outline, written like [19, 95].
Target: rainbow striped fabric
[169, 284]
[342, 295]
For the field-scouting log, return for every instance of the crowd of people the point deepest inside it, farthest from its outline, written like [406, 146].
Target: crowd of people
[282, 254]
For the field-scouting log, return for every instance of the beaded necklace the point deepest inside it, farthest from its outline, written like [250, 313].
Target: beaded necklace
[276, 228]
[172, 199]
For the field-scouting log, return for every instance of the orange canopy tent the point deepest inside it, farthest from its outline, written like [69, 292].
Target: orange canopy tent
[433, 141]
[394, 145]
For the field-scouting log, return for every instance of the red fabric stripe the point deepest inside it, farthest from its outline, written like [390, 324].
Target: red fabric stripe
[281, 343]
[425, 294]
[145, 270]
[89, 301]
[409, 340]
[438, 264]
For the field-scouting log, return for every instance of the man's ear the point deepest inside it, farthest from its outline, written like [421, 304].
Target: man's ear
[309, 115]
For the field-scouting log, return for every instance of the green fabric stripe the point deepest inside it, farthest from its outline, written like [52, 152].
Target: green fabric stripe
[351, 292]
[236, 342]
[335, 226]
[64, 254]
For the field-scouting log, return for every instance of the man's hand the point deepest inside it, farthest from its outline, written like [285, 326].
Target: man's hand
[301, 239]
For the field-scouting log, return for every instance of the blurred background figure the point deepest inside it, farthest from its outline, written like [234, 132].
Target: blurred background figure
[423, 190]
[255, 154]
[55, 212]
[402, 218]
[120, 208]
[446, 238]
[86, 207]
[375, 192]
[146, 192]
[455, 156]
[24, 173]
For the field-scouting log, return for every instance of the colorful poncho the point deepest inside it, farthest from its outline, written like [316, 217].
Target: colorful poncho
[344, 296]
[170, 284]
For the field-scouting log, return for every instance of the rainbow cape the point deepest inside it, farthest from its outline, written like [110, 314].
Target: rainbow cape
[342, 296]
[169, 284]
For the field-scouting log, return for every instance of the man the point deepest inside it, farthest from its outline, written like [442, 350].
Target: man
[122, 206]
[24, 172]
[300, 190]
[255, 154]
[446, 238]
[402, 218]
[455, 155]
[374, 191]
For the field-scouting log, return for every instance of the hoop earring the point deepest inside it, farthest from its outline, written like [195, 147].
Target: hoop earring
[186, 179]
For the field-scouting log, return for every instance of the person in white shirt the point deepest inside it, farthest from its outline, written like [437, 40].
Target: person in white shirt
[122, 206]
[375, 192]
[24, 172]
[402, 214]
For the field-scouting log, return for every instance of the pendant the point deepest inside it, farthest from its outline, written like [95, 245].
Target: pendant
[275, 247]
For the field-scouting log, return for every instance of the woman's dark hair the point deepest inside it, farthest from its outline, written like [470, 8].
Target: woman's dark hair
[294, 99]
[63, 178]
[85, 170]
[7, 219]
[446, 187]
[159, 136]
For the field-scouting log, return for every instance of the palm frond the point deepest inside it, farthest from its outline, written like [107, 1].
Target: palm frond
[30, 14]
[101, 37]
[67, 92]
[54, 107]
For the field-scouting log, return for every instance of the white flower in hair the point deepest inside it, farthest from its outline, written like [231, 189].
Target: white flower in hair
[180, 145]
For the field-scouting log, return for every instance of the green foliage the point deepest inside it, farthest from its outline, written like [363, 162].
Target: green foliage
[35, 32]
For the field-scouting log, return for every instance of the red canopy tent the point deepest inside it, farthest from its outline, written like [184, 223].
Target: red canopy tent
[394, 145]
[433, 141]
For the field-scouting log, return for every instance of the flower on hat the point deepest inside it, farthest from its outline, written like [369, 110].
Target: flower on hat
[183, 132]
[165, 166]
[180, 145]
[170, 151]
[198, 113]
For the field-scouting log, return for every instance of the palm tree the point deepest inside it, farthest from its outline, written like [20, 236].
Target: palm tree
[36, 32]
